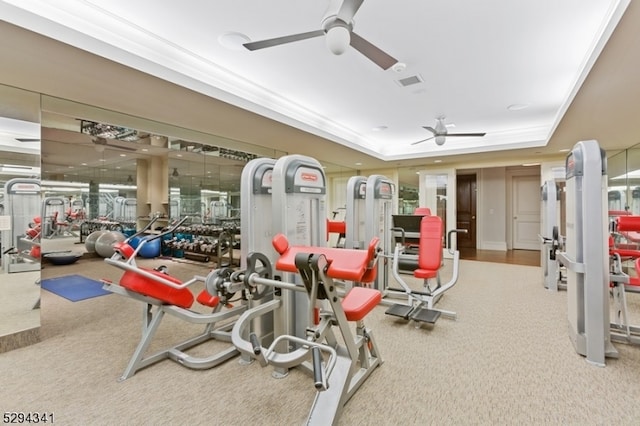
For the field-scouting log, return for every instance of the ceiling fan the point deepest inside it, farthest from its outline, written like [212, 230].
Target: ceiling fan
[441, 133]
[338, 28]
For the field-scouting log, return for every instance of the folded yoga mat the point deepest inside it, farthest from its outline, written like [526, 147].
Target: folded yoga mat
[74, 287]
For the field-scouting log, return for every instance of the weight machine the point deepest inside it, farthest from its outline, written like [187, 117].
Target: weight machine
[305, 306]
[379, 207]
[420, 306]
[586, 252]
[163, 294]
[21, 249]
[551, 240]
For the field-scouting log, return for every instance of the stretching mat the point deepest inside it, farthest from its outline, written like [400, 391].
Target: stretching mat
[74, 287]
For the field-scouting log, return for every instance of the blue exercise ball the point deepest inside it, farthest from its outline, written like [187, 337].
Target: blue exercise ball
[150, 249]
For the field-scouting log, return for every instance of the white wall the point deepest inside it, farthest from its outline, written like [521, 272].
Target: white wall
[491, 209]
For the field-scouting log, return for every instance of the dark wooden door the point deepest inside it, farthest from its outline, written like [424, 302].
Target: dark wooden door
[466, 210]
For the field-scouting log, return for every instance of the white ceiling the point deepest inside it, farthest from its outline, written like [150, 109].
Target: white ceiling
[475, 59]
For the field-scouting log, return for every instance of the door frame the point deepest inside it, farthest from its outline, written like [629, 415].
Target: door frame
[509, 175]
[477, 199]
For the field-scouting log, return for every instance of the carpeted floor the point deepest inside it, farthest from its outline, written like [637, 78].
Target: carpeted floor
[507, 359]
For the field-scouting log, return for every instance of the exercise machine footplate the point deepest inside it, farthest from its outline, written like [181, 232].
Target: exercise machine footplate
[400, 310]
[425, 315]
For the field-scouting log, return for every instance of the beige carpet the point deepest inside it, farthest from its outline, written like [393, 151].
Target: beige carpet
[506, 360]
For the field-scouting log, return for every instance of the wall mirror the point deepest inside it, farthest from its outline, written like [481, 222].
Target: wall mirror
[19, 209]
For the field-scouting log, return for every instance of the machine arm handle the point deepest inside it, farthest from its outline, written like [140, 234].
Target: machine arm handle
[402, 233]
[318, 376]
[255, 343]
[454, 231]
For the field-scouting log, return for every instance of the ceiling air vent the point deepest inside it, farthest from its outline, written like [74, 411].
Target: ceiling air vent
[409, 81]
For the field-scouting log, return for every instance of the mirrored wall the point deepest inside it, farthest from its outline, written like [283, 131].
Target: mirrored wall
[19, 217]
[623, 170]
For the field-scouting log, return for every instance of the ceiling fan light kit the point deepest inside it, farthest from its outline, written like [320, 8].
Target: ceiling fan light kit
[338, 39]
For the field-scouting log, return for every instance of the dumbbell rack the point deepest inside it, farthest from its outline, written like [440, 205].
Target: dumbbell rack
[204, 243]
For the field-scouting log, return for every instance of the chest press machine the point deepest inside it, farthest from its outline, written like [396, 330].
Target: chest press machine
[420, 303]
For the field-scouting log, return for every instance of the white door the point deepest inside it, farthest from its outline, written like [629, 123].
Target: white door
[526, 212]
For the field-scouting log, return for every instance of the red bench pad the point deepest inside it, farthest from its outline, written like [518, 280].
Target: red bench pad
[206, 299]
[172, 296]
[430, 251]
[344, 264]
[124, 249]
[359, 302]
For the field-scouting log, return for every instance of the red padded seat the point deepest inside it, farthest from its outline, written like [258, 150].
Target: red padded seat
[359, 302]
[172, 296]
[344, 264]
[430, 249]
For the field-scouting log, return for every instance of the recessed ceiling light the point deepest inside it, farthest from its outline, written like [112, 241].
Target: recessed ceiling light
[379, 128]
[437, 161]
[179, 155]
[145, 150]
[517, 107]
[358, 164]
[233, 40]
[83, 164]
[102, 159]
[123, 155]
[530, 164]
[564, 150]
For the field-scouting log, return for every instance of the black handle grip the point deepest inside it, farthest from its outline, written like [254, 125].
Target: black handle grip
[257, 348]
[317, 368]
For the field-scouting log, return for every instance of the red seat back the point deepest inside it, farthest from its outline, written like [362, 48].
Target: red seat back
[422, 211]
[430, 249]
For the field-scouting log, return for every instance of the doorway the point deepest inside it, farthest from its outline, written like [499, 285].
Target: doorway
[526, 212]
[466, 194]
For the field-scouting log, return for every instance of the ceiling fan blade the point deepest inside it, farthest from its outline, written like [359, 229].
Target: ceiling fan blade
[348, 10]
[375, 54]
[423, 140]
[431, 129]
[449, 135]
[27, 140]
[255, 45]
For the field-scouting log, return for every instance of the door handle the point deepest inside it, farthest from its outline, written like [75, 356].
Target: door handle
[473, 217]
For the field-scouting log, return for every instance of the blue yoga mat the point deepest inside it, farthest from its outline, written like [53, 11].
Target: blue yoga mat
[74, 287]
